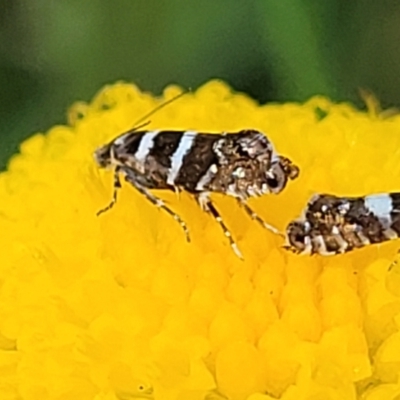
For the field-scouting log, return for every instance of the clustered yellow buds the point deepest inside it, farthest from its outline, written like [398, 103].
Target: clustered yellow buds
[121, 307]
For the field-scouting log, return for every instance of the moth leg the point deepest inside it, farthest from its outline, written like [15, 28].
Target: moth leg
[130, 177]
[117, 186]
[253, 215]
[206, 205]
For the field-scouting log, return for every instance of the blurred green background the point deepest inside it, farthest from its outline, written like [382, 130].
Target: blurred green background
[54, 52]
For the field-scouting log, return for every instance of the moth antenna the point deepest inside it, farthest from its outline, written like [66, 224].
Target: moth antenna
[137, 127]
[158, 108]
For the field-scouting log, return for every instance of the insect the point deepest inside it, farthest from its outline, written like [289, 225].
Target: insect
[241, 164]
[332, 225]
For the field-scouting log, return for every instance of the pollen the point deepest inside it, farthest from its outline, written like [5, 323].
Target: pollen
[122, 306]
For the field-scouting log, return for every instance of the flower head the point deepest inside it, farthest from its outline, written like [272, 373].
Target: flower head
[121, 307]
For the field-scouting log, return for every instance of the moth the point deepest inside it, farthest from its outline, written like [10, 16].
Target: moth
[240, 164]
[333, 225]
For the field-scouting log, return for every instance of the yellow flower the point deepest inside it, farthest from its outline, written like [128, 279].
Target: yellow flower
[121, 307]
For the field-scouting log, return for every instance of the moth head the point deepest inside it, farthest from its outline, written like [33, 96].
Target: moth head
[278, 174]
[298, 236]
[102, 156]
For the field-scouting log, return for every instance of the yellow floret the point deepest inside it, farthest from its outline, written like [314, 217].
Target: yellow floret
[120, 307]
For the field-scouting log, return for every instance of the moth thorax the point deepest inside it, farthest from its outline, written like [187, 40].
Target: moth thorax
[256, 145]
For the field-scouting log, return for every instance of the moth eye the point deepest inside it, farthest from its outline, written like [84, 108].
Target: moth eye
[297, 234]
[299, 238]
[276, 178]
[272, 182]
